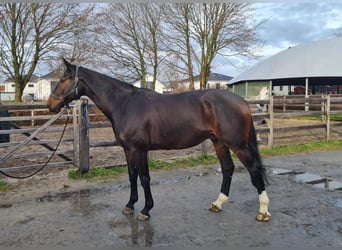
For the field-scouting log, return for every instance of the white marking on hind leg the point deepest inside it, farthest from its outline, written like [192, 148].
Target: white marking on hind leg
[221, 199]
[263, 209]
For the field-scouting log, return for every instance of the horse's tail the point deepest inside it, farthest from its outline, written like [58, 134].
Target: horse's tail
[253, 145]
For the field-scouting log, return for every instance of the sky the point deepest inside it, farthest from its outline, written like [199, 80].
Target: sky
[288, 24]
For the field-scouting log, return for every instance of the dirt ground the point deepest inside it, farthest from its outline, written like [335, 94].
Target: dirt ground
[52, 210]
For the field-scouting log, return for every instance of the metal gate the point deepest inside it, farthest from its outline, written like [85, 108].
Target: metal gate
[30, 135]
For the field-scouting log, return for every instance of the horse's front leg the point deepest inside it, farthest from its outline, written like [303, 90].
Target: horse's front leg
[133, 179]
[144, 175]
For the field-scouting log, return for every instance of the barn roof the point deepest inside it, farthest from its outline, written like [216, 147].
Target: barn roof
[316, 61]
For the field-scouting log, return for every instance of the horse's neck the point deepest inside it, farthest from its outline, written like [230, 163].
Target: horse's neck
[108, 95]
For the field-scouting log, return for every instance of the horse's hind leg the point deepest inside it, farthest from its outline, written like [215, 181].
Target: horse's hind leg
[227, 167]
[250, 157]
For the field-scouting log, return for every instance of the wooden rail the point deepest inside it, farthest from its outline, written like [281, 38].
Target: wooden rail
[322, 101]
[86, 117]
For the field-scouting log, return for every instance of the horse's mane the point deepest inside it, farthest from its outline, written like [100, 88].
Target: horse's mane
[109, 79]
[122, 84]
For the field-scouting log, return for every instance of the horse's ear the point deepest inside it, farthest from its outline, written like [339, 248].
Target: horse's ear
[66, 63]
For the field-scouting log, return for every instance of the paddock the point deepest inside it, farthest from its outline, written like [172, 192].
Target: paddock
[54, 211]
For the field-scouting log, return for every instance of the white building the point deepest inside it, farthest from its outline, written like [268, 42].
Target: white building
[215, 81]
[29, 91]
[159, 87]
[38, 88]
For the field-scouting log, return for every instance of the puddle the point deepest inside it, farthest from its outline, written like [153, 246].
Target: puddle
[281, 171]
[339, 203]
[6, 205]
[171, 180]
[26, 220]
[315, 180]
[66, 195]
[133, 232]
[86, 193]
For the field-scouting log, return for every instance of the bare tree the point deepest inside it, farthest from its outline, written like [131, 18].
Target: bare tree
[30, 32]
[201, 31]
[131, 38]
[81, 43]
[222, 28]
[151, 19]
[178, 38]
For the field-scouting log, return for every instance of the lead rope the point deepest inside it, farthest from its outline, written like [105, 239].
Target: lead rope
[46, 163]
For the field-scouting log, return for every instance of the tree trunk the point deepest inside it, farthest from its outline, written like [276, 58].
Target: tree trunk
[204, 76]
[18, 93]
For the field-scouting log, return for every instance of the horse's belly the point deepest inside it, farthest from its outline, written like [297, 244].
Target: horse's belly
[180, 140]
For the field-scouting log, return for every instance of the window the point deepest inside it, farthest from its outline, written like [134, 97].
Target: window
[30, 85]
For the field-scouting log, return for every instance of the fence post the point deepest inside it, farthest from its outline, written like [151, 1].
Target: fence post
[32, 114]
[323, 100]
[327, 121]
[75, 131]
[84, 136]
[270, 111]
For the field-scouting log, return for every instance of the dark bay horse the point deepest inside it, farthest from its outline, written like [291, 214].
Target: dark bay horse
[144, 120]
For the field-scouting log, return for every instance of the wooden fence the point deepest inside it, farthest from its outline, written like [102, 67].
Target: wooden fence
[22, 148]
[77, 143]
[323, 106]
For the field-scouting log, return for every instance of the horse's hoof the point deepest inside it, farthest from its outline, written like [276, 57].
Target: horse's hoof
[264, 217]
[142, 217]
[214, 208]
[127, 211]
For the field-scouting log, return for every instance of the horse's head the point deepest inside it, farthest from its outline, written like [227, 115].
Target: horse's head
[66, 89]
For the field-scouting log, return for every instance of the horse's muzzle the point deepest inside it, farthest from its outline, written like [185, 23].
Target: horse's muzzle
[54, 105]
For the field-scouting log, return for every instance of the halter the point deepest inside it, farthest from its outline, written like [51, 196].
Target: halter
[73, 89]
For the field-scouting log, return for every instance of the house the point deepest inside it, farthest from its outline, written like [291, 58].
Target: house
[3, 95]
[29, 91]
[215, 81]
[47, 83]
[38, 88]
[159, 87]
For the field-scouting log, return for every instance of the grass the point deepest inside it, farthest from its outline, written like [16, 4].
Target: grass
[113, 172]
[3, 186]
[302, 148]
[333, 117]
[98, 173]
